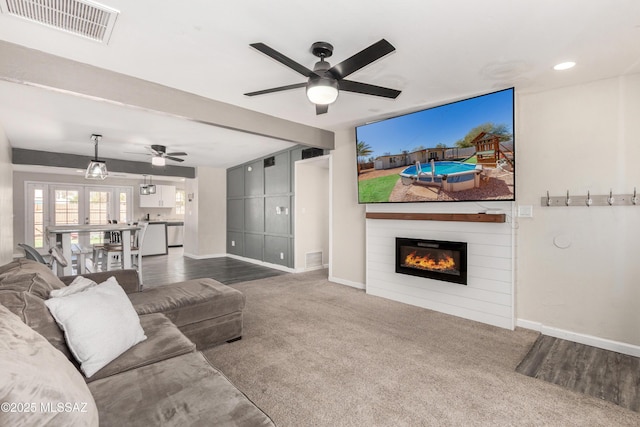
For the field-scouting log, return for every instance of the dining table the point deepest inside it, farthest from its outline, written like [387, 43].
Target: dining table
[61, 234]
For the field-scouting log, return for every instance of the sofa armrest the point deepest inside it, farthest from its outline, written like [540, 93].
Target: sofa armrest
[128, 279]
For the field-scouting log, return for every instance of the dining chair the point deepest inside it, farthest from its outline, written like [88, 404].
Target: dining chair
[57, 260]
[111, 254]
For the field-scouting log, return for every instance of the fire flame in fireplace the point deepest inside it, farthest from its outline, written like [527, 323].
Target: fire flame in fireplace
[444, 262]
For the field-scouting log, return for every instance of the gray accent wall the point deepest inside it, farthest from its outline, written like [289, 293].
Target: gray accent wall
[260, 204]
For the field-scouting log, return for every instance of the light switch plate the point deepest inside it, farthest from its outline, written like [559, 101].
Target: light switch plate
[525, 211]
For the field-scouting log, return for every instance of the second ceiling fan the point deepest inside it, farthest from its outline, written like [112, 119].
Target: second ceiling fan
[159, 155]
[324, 82]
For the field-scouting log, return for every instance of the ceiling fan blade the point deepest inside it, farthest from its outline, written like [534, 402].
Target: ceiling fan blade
[282, 59]
[175, 159]
[276, 89]
[157, 149]
[321, 109]
[181, 153]
[367, 89]
[362, 59]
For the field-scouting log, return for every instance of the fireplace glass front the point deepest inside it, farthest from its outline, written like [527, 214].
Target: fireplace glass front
[433, 259]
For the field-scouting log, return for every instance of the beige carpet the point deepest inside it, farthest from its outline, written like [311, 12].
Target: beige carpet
[316, 353]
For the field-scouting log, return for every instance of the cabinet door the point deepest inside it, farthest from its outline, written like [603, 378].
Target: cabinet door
[168, 194]
[150, 200]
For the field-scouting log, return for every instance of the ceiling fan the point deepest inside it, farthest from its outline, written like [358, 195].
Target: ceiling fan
[159, 155]
[324, 82]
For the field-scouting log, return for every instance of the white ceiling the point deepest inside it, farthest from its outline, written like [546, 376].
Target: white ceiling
[446, 50]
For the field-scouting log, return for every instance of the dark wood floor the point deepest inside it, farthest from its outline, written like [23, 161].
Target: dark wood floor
[601, 373]
[174, 267]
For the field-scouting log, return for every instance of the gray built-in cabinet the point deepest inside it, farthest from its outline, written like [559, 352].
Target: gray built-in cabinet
[260, 200]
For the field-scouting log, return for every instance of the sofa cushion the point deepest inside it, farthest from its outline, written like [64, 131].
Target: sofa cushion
[189, 302]
[78, 284]
[128, 279]
[10, 266]
[32, 311]
[99, 324]
[33, 373]
[181, 391]
[29, 276]
[164, 340]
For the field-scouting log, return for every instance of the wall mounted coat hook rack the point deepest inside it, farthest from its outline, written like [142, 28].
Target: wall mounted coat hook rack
[591, 200]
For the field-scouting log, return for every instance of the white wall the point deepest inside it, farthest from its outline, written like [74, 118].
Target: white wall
[6, 200]
[347, 265]
[206, 218]
[191, 218]
[580, 138]
[311, 210]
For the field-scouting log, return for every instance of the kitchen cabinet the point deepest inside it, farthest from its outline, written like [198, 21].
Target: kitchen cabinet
[164, 197]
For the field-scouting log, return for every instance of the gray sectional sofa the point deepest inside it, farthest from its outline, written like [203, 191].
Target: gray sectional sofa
[163, 380]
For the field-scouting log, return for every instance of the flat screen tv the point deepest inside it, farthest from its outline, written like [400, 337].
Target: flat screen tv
[462, 151]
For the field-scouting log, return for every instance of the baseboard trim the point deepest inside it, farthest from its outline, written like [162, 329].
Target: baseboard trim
[262, 263]
[347, 282]
[304, 270]
[603, 343]
[207, 256]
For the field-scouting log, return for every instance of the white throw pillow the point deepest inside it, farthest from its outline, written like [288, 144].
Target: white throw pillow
[79, 284]
[99, 324]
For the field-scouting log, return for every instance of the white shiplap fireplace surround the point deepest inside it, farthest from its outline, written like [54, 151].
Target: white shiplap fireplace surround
[488, 295]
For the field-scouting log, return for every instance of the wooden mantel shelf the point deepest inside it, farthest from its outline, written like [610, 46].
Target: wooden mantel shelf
[466, 217]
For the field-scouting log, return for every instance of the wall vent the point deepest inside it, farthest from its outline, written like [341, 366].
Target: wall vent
[313, 259]
[80, 17]
[309, 153]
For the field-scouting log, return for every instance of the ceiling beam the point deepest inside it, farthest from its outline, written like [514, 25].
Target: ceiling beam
[20, 64]
[20, 156]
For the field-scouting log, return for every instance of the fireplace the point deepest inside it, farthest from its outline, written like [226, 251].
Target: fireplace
[433, 259]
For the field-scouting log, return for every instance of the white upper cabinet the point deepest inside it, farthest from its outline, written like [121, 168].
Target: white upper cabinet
[165, 197]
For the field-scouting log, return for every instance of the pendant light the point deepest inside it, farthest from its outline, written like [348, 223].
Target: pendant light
[145, 188]
[97, 169]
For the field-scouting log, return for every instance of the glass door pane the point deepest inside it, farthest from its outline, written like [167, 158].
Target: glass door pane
[38, 218]
[124, 205]
[99, 208]
[66, 208]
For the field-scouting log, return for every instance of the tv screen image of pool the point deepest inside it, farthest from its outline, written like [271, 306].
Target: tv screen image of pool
[461, 151]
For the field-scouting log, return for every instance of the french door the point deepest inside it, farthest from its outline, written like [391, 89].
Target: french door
[68, 204]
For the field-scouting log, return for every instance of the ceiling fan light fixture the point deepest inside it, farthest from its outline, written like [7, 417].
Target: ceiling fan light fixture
[158, 161]
[322, 91]
[97, 169]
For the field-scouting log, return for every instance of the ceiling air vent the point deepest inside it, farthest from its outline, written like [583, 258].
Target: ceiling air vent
[84, 18]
